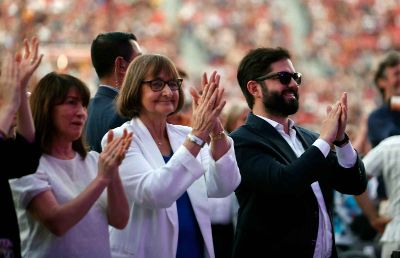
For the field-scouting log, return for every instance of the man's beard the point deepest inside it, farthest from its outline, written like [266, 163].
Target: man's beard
[275, 103]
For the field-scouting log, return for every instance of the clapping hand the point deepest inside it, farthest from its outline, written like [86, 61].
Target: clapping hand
[113, 154]
[207, 107]
[343, 117]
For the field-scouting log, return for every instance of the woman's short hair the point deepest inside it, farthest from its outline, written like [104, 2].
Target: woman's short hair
[50, 91]
[129, 102]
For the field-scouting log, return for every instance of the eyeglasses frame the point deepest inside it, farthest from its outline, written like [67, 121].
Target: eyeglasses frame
[178, 80]
[276, 75]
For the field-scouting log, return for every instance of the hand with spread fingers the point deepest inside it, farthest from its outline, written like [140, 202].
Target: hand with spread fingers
[28, 61]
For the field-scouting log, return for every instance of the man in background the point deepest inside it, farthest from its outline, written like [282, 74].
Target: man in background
[111, 55]
[385, 120]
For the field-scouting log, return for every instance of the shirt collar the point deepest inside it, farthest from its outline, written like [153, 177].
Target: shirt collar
[110, 87]
[277, 125]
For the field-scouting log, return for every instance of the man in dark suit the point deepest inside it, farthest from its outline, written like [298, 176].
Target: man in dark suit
[111, 55]
[288, 172]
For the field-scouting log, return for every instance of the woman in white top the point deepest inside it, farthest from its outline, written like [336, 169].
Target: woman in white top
[63, 210]
[169, 172]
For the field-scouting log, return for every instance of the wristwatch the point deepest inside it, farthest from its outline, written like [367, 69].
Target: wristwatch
[196, 140]
[342, 142]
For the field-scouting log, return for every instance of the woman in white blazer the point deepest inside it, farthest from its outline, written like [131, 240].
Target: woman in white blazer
[170, 171]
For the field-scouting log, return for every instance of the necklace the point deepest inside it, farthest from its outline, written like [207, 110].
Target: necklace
[159, 142]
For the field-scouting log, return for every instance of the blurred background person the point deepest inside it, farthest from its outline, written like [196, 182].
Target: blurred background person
[383, 160]
[384, 121]
[169, 171]
[17, 137]
[111, 53]
[61, 209]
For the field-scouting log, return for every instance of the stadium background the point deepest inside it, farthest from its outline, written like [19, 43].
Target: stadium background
[335, 44]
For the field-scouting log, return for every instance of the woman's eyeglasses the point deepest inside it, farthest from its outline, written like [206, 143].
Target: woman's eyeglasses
[158, 84]
[284, 77]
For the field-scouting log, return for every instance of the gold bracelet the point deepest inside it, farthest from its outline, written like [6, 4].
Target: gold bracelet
[218, 136]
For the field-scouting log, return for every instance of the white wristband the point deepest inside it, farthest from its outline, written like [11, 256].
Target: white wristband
[196, 140]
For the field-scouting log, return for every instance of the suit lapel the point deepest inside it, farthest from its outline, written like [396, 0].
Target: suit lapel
[306, 143]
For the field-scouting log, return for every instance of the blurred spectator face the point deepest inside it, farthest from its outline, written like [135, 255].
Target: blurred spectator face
[391, 82]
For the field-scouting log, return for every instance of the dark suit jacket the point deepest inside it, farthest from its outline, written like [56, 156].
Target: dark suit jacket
[102, 116]
[18, 158]
[278, 214]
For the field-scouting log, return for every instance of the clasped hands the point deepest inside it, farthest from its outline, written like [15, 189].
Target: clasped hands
[334, 125]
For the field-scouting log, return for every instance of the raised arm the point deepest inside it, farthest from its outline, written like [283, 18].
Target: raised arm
[212, 96]
[27, 64]
[10, 96]
[118, 207]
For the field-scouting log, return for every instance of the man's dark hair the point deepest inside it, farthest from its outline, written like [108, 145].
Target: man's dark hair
[106, 47]
[391, 60]
[256, 63]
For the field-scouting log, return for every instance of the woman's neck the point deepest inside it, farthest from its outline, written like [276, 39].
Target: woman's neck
[62, 150]
[158, 131]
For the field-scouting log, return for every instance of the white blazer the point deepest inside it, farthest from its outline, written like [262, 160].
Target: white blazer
[153, 187]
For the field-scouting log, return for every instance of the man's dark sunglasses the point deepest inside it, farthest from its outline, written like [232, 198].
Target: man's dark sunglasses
[284, 77]
[158, 84]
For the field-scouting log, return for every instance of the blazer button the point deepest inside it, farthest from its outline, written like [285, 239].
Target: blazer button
[313, 242]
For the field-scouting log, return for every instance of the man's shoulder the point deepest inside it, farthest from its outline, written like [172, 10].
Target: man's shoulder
[104, 92]
[240, 131]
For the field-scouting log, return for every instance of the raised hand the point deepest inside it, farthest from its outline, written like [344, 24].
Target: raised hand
[343, 117]
[330, 124]
[29, 61]
[207, 107]
[113, 154]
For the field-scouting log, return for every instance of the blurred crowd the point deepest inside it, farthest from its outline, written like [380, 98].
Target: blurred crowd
[336, 43]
